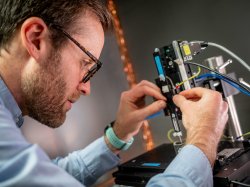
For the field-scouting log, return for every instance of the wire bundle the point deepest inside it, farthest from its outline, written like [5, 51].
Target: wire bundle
[242, 88]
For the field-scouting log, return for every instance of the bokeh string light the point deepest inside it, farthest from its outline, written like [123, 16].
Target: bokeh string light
[127, 65]
[128, 68]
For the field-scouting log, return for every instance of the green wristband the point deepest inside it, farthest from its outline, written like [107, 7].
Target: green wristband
[115, 141]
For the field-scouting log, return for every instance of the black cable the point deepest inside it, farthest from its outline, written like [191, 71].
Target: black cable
[240, 183]
[225, 76]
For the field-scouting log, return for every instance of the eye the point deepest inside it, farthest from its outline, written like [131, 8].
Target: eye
[85, 63]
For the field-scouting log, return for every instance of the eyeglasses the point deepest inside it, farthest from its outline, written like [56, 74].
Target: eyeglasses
[97, 63]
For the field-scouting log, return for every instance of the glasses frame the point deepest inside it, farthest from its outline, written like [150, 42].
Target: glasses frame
[98, 63]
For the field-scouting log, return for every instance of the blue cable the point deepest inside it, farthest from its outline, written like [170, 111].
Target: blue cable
[207, 75]
[226, 80]
[154, 115]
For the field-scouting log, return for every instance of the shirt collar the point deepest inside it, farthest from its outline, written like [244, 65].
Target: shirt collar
[11, 104]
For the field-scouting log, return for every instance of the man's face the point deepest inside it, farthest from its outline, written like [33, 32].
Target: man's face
[44, 91]
[50, 90]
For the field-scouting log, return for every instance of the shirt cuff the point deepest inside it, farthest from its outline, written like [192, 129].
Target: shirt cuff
[89, 164]
[192, 162]
[190, 167]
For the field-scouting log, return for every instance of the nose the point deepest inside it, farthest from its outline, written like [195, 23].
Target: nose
[84, 88]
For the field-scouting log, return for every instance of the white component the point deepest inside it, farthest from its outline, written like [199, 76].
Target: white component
[177, 134]
[165, 89]
[181, 65]
[229, 61]
[244, 82]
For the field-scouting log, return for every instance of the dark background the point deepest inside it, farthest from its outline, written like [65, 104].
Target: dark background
[151, 24]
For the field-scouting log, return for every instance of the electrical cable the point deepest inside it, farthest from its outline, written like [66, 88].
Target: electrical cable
[246, 134]
[190, 78]
[225, 76]
[170, 80]
[207, 75]
[205, 44]
[226, 137]
[154, 115]
[169, 135]
[227, 81]
[240, 183]
[230, 53]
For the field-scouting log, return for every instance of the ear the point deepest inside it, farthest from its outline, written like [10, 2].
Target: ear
[35, 37]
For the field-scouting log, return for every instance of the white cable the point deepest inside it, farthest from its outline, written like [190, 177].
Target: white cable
[171, 81]
[230, 53]
[240, 183]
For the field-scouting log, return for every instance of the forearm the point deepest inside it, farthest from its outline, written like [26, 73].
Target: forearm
[206, 140]
[89, 164]
[204, 115]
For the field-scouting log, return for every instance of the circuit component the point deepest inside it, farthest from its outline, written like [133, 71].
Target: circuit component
[173, 76]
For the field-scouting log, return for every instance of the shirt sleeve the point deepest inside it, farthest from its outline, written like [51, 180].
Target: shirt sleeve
[89, 164]
[24, 164]
[190, 168]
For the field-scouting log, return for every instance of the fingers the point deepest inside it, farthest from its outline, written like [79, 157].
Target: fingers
[225, 107]
[194, 93]
[149, 84]
[179, 101]
[206, 96]
[145, 88]
[151, 109]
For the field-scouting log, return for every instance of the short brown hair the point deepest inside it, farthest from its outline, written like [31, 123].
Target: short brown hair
[62, 12]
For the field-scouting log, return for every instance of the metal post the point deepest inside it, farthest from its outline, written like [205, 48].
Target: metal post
[233, 121]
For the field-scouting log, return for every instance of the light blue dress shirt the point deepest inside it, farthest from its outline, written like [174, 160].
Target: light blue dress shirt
[27, 165]
[190, 168]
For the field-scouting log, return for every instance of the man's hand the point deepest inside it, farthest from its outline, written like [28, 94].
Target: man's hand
[132, 110]
[204, 116]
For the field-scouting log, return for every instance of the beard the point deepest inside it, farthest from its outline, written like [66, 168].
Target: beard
[44, 92]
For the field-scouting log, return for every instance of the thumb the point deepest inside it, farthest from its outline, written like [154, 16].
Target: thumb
[179, 100]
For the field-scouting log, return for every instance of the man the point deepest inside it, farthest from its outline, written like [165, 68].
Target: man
[44, 69]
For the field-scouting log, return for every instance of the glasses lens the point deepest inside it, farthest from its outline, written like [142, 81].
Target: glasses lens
[90, 73]
[95, 67]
